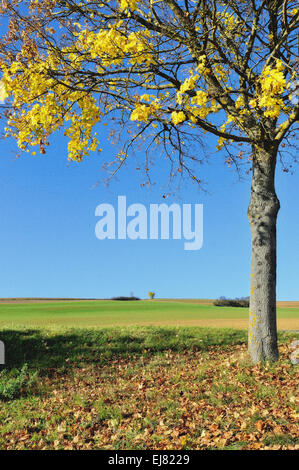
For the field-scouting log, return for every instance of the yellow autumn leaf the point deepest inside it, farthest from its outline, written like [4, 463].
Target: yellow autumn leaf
[3, 92]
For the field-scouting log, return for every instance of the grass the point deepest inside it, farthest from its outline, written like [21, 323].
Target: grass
[112, 313]
[14, 383]
[143, 388]
[43, 348]
[111, 375]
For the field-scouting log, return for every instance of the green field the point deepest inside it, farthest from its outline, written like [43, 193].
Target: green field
[144, 312]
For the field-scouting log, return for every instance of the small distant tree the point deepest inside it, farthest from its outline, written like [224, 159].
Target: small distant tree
[165, 73]
[151, 295]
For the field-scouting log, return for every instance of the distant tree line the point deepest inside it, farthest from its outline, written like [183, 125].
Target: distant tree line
[125, 298]
[237, 302]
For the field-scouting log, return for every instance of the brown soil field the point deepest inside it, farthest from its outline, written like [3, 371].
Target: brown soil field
[29, 300]
[287, 324]
[293, 304]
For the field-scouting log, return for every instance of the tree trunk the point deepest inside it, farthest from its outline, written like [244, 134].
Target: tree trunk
[262, 212]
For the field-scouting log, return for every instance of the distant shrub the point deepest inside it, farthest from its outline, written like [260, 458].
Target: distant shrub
[16, 382]
[232, 302]
[125, 298]
[151, 295]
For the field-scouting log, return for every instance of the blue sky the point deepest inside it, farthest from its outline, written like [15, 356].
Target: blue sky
[48, 246]
[49, 249]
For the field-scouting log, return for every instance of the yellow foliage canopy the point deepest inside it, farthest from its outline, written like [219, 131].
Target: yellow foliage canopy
[145, 61]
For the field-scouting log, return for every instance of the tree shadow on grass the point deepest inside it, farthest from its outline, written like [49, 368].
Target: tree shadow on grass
[43, 349]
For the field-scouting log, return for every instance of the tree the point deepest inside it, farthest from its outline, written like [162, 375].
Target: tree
[165, 72]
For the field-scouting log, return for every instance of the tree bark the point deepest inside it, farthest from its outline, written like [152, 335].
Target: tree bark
[262, 213]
